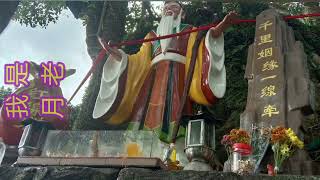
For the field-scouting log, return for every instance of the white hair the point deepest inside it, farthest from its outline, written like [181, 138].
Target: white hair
[166, 25]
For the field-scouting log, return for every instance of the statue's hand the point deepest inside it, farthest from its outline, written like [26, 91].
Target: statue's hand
[231, 18]
[228, 20]
[113, 51]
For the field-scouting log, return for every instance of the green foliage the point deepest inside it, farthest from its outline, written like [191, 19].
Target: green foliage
[141, 20]
[132, 18]
[201, 13]
[295, 8]
[74, 112]
[3, 93]
[39, 13]
[251, 10]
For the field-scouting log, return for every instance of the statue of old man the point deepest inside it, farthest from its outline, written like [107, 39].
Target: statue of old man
[144, 90]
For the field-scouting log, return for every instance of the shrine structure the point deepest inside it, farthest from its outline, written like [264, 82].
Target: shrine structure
[280, 92]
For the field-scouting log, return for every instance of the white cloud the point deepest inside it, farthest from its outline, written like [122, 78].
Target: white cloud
[63, 41]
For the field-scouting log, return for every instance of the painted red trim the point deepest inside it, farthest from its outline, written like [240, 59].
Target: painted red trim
[204, 77]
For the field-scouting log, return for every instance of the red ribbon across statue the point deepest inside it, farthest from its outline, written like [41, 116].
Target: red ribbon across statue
[140, 41]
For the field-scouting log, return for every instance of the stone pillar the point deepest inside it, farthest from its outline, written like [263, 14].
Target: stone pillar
[279, 87]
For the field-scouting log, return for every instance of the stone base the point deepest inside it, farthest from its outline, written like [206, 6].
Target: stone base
[113, 162]
[76, 173]
[299, 164]
[10, 156]
[302, 167]
[57, 172]
[198, 166]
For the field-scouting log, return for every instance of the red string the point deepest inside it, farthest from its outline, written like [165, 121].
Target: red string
[302, 16]
[99, 58]
[202, 28]
[102, 52]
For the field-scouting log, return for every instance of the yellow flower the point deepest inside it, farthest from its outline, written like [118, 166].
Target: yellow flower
[294, 138]
[300, 144]
[290, 132]
[284, 150]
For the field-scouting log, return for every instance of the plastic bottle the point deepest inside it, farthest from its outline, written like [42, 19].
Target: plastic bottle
[2, 149]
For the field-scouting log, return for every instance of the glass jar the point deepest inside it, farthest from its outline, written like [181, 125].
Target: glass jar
[242, 163]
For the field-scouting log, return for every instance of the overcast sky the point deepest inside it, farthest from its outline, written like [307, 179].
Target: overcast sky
[63, 42]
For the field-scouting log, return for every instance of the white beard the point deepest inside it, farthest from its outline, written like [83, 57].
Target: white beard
[166, 25]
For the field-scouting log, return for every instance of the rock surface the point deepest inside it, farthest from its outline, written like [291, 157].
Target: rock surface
[88, 173]
[57, 172]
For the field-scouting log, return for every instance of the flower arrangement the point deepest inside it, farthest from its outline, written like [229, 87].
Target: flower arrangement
[235, 136]
[284, 143]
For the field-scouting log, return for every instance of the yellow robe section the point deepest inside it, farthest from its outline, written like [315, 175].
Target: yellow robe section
[195, 92]
[138, 67]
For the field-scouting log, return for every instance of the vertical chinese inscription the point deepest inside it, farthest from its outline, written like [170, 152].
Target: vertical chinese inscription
[268, 70]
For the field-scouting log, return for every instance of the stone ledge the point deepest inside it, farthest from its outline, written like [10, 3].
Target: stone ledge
[140, 174]
[57, 172]
[115, 162]
[88, 173]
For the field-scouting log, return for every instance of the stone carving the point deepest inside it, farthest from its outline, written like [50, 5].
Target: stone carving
[279, 88]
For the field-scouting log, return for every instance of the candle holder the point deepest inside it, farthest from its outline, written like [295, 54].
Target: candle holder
[200, 142]
[33, 137]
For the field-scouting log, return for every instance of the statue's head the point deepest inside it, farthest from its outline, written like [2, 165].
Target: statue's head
[171, 19]
[172, 8]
